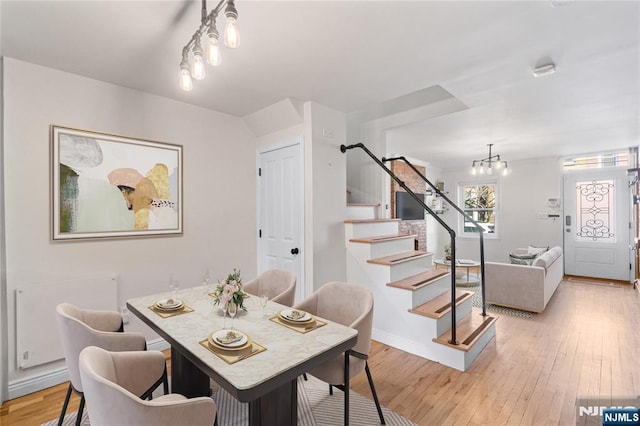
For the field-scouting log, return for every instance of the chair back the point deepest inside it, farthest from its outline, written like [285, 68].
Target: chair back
[112, 403]
[279, 285]
[76, 334]
[350, 305]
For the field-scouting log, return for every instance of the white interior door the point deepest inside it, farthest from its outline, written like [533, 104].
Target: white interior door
[280, 207]
[596, 219]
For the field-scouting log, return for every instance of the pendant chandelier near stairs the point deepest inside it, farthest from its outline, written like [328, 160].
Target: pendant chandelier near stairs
[208, 23]
[490, 164]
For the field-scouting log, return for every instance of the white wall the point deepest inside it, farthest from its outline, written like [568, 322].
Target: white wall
[219, 179]
[3, 281]
[522, 195]
[325, 193]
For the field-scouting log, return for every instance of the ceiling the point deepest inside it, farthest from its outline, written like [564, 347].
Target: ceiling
[354, 55]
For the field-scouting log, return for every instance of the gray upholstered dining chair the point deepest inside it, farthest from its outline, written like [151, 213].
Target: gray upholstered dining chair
[80, 328]
[350, 305]
[112, 381]
[279, 285]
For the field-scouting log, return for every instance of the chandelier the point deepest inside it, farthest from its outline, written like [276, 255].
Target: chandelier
[487, 165]
[208, 23]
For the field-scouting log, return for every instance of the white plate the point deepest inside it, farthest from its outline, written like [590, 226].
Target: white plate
[222, 333]
[169, 304]
[287, 314]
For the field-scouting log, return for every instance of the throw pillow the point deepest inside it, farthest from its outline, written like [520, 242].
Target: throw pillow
[521, 259]
[537, 250]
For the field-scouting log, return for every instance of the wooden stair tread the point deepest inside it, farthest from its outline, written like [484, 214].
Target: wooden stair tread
[441, 305]
[371, 220]
[382, 238]
[420, 280]
[468, 331]
[399, 258]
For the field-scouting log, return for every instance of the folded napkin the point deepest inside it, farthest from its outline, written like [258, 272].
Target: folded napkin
[294, 315]
[229, 338]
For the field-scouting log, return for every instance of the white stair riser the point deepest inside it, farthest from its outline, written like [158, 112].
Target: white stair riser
[362, 212]
[384, 248]
[431, 291]
[462, 310]
[368, 229]
[477, 348]
[402, 270]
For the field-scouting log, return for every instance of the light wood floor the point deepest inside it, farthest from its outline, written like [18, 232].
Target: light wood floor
[586, 343]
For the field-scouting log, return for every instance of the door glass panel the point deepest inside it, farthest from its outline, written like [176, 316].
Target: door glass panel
[595, 211]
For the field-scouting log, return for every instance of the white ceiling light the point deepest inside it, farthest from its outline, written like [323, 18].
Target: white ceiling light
[208, 27]
[544, 70]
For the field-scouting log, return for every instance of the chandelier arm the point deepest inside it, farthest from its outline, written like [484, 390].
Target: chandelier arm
[206, 21]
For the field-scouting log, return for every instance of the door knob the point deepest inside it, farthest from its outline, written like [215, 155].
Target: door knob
[295, 250]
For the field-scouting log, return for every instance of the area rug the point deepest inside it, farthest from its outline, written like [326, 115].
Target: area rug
[476, 302]
[316, 407]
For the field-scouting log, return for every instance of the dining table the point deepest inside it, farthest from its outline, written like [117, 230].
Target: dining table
[266, 374]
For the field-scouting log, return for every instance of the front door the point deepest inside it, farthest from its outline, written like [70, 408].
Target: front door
[596, 224]
[280, 239]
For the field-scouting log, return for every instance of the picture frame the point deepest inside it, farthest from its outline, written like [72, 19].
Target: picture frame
[111, 186]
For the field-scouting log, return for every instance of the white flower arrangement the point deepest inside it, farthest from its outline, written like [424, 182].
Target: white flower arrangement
[230, 291]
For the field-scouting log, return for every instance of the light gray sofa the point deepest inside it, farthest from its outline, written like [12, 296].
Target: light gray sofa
[525, 287]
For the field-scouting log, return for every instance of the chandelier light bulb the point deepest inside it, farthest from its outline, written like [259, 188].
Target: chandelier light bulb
[197, 70]
[214, 56]
[498, 165]
[473, 169]
[231, 35]
[186, 83]
[489, 169]
[505, 171]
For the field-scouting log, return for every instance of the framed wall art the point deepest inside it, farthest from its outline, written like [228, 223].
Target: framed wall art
[108, 186]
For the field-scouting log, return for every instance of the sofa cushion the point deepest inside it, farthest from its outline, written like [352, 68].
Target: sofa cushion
[547, 258]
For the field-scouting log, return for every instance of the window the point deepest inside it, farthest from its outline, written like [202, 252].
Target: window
[478, 200]
[597, 161]
[595, 211]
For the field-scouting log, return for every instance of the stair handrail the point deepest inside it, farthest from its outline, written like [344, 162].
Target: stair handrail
[459, 210]
[452, 233]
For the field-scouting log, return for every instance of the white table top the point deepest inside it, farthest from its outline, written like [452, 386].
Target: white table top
[286, 348]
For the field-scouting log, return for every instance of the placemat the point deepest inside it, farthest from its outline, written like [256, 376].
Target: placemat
[166, 314]
[302, 328]
[231, 357]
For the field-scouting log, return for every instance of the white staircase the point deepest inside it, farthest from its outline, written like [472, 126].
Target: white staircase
[412, 299]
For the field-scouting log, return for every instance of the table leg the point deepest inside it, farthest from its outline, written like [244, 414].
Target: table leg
[278, 407]
[186, 378]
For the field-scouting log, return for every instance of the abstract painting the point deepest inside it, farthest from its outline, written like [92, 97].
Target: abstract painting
[106, 186]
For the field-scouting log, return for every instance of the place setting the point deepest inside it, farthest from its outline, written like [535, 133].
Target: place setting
[298, 320]
[231, 345]
[170, 307]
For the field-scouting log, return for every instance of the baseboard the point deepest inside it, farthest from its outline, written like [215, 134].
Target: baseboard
[21, 387]
[36, 383]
